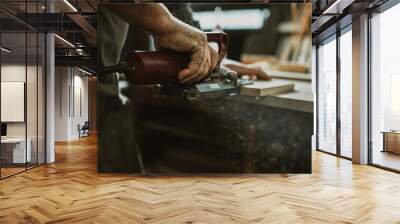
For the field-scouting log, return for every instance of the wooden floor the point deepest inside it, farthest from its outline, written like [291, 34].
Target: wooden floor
[5, 172]
[387, 159]
[71, 191]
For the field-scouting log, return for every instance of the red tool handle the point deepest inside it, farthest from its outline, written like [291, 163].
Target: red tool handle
[162, 67]
[222, 40]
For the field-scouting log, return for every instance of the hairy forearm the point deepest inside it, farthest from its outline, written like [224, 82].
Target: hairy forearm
[171, 33]
[158, 21]
[152, 17]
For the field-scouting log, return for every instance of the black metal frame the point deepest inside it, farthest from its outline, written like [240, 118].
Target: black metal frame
[316, 97]
[44, 70]
[338, 98]
[369, 70]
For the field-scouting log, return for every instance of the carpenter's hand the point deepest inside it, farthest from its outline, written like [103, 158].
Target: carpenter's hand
[202, 63]
[184, 38]
[171, 33]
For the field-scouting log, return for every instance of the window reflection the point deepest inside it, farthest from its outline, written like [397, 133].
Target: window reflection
[385, 87]
[327, 96]
[346, 94]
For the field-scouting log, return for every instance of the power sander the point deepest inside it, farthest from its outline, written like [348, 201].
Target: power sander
[162, 67]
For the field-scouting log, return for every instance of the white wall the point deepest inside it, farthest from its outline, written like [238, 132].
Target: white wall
[71, 93]
[62, 81]
[34, 126]
[81, 83]
[12, 73]
[17, 73]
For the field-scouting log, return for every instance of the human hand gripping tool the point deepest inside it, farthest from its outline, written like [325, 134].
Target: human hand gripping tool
[162, 67]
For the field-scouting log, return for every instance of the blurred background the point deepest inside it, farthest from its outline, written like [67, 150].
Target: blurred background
[277, 34]
[273, 36]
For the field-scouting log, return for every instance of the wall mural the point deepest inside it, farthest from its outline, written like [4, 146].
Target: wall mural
[170, 103]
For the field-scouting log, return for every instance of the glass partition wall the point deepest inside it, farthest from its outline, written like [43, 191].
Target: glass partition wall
[385, 89]
[327, 95]
[345, 97]
[22, 77]
[334, 83]
[383, 94]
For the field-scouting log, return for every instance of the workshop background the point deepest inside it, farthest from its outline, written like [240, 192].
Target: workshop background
[268, 128]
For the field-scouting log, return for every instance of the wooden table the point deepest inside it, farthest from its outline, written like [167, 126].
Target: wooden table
[391, 141]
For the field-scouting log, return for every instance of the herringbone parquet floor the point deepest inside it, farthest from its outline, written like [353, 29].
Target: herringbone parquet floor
[71, 191]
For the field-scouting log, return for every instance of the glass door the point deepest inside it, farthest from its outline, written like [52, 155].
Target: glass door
[22, 76]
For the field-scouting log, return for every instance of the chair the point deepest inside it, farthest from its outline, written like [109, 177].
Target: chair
[84, 130]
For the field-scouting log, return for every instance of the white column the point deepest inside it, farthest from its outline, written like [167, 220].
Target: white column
[50, 93]
[360, 90]
[62, 103]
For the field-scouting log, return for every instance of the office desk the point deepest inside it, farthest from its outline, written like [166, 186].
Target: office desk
[13, 150]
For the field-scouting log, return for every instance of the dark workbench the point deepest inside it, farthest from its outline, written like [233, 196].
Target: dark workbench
[238, 134]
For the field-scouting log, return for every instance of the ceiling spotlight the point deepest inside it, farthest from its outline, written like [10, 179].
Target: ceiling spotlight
[337, 7]
[79, 51]
[70, 6]
[65, 41]
[84, 71]
[5, 50]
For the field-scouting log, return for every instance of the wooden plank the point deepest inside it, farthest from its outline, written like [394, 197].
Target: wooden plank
[267, 88]
[289, 75]
[292, 67]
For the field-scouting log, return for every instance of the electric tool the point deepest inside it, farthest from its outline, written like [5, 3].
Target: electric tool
[162, 67]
